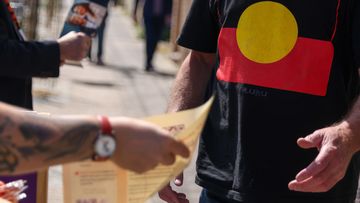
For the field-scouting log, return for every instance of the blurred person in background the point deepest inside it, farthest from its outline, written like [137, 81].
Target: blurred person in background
[99, 48]
[156, 13]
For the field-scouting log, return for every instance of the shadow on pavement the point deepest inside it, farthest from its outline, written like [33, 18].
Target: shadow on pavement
[130, 71]
[95, 83]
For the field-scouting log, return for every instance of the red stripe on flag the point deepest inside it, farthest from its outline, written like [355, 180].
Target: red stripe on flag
[305, 69]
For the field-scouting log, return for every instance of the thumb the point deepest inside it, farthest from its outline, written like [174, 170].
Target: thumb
[311, 141]
[82, 34]
[179, 179]
[179, 148]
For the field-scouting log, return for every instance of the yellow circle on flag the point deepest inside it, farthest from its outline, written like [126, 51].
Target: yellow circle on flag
[267, 31]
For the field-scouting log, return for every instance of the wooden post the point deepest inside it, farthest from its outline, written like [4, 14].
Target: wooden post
[42, 186]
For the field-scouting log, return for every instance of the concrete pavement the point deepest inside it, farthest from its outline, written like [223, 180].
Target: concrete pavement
[120, 88]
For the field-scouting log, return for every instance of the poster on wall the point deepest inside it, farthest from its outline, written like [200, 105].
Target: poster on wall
[35, 186]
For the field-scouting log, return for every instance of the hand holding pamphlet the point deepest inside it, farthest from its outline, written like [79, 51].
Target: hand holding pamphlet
[85, 16]
[104, 182]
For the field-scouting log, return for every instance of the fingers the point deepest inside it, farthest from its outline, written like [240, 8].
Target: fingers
[169, 195]
[179, 179]
[74, 46]
[171, 149]
[85, 43]
[319, 164]
[319, 175]
[87, 39]
[179, 148]
[174, 148]
[322, 182]
[310, 141]
[168, 159]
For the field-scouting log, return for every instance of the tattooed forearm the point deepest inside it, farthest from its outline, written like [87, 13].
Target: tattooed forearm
[36, 136]
[29, 141]
[42, 142]
[72, 140]
[69, 144]
[4, 124]
[35, 133]
[8, 159]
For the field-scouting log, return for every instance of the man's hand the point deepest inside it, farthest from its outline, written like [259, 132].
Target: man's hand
[336, 146]
[188, 92]
[141, 146]
[74, 46]
[171, 196]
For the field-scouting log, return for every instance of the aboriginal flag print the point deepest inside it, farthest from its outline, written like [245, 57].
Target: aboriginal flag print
[274, 45]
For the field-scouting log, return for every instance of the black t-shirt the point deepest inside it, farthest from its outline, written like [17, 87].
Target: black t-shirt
[285, 68]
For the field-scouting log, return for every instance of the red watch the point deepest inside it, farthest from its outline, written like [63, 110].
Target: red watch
[105, 143]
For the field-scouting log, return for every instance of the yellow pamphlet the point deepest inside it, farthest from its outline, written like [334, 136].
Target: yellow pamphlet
[106, 183]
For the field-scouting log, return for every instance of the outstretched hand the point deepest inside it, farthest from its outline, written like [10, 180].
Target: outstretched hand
[171, 196]
[336, 145]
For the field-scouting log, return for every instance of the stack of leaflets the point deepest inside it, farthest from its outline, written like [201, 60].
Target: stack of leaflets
[13, 191]
[85, 16]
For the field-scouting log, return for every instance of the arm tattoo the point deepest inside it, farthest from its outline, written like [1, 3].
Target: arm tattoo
[68, 144]
[36, 135]
[5, 123]
[8, 159]
[36, 141]
[72, 140]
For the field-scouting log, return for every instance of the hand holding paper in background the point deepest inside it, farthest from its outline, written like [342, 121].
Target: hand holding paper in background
[84, 16]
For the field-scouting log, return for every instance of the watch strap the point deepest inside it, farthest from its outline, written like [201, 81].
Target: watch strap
[105, 128]
[105, 125]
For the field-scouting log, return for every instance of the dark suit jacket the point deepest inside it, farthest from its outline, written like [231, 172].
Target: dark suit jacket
[20, 61]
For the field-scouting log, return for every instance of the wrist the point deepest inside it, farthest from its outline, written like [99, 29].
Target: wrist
[62, 48]
[352, 133]
[61, 51]
[105, 142]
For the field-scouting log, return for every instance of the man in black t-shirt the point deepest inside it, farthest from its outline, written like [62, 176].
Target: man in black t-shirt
[284, 70]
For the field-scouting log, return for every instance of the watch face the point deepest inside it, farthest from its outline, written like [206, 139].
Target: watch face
[105, 146]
